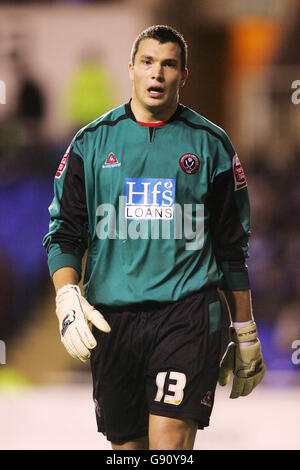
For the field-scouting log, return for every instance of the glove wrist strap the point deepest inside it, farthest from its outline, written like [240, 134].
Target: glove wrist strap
[244, 334]
[66, 287]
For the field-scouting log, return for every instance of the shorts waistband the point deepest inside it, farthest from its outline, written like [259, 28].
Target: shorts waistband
[153, 304]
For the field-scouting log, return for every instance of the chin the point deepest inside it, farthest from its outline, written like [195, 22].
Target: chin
[155, 104]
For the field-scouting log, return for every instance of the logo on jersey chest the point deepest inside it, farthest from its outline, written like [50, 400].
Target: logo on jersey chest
[149, 198]
[111, 161]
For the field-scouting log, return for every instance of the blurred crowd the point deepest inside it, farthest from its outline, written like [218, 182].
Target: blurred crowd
[28, 163]
[26, 189]
[274, 255]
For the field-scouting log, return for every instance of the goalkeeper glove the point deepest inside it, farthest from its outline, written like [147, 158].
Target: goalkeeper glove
[74, 312]
[244, 360]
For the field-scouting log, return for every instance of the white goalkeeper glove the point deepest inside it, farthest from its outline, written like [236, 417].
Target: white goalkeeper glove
[244, 360]
[74, 312]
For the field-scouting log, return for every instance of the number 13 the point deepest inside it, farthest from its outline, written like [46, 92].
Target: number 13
[177, 388]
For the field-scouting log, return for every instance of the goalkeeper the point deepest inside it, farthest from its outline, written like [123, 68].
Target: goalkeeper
[157, 195]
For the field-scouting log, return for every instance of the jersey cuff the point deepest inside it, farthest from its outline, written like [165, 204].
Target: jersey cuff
[234, 280]
[64, 260]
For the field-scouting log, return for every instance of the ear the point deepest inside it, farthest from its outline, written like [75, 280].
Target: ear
[184, 77]
[130, 68]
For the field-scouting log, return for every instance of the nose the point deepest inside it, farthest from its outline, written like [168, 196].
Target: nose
[157, 72]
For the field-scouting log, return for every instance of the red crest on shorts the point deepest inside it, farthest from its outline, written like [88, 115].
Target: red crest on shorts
[206, 400]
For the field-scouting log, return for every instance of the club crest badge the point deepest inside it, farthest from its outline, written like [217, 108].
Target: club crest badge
[189, 163]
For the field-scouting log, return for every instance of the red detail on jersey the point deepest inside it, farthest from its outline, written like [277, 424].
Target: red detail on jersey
[111, 159]
[239, 175]
[63, 164]
[207, 399]
[152, 124]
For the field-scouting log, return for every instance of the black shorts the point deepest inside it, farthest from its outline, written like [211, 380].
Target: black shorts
[158, 359]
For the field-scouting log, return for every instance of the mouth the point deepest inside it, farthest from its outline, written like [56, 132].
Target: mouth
[155, 91]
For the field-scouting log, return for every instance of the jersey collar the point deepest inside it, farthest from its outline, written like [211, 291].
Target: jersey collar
[130, 114]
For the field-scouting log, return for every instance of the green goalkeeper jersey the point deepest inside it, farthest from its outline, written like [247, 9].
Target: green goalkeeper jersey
[163, 210]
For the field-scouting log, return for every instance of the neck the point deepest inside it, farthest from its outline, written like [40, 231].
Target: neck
[150, 115]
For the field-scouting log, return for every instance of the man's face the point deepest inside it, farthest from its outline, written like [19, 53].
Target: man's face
[157, 75]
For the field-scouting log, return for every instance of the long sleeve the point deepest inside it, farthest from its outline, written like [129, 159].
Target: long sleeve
[230, 218]
[67, 238]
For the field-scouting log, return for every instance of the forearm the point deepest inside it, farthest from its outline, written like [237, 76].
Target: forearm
[239, 305]
[64, 276]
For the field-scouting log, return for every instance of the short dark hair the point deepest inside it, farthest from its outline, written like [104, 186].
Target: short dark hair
[162, 34]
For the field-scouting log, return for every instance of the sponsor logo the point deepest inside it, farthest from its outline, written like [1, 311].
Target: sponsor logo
[67, 322]
[189, 163]
[63, 164]
[206, 400]
[111, 161]
[238, 173]
[149, 198]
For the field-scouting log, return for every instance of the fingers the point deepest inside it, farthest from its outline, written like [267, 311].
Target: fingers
[258, 378]
[242, 387]
[78, 339]
[249, 385]
[78, 343]
[74, 312]
[82, 331]
[99, 321]
[94, 316]
[227, 365]
[72, 351]
[224, 376]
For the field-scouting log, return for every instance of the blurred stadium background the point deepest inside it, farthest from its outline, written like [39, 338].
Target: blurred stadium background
[63, 64]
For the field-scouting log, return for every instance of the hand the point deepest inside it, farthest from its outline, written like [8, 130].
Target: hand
[73, 312]
[244, 360]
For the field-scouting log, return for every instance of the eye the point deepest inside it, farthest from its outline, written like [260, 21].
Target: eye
[170, 64]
